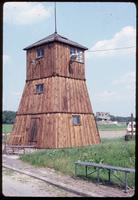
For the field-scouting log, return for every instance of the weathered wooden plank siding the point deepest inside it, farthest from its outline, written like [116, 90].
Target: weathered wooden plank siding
[57, 131]
[60, 95]
[55, 61]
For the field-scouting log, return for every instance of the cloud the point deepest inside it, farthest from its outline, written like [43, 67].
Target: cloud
[25, 13]
[6, 58]
[124, 38]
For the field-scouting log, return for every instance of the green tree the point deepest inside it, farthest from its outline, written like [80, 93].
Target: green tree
[8, 117]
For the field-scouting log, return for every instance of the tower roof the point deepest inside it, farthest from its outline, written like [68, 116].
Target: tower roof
[55, 38]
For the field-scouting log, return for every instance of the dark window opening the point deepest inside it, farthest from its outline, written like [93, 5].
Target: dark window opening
[39, 52]
[76, 119]
[39, 88]
[76, 55]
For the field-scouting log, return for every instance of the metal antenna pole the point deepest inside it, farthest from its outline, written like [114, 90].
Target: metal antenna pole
[55, 20]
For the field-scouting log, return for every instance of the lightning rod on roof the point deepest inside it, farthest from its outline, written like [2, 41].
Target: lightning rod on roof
[55, 20]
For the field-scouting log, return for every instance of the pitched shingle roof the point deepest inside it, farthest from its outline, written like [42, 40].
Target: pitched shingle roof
[55, 38]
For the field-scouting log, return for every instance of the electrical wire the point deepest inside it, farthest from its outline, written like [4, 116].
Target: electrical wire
[122, 48]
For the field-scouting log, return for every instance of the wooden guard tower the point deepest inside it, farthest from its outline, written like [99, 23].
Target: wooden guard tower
[55, 109]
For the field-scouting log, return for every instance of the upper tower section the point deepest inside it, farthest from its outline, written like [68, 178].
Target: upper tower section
[55, 55]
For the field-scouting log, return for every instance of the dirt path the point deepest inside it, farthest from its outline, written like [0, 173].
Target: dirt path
[16, 184]
[97, 189]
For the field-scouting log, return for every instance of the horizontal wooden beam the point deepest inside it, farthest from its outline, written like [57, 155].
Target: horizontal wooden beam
[18, 114]
[55, 75]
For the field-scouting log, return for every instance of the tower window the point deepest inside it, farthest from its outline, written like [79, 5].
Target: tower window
[76, 54]
[39, 52]
[39, 88]
[76, 120]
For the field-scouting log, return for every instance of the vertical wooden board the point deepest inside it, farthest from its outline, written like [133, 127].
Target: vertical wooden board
[91, 140]
[59, 60]
[88, 129]
[61, 64]
[56, 135]
[46, 139]
[67, 61]
[56, 60]
[93, 130]
[57, 94]
[27, 126]
[64, 96]
[46, 95]
[53, 131]
[68, 93]
[66, 65]
[45, 131]
[72, 133]
[83, 131]
[79, 100]
[47, 62]
[67, 130]
[81, 97]
[50, 94]
[75, 96]
[58, 131]
[71, 95]
[61, 134]
[60, 90]
[23, 131]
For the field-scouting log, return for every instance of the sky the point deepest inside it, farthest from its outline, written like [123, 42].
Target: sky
[107, 29]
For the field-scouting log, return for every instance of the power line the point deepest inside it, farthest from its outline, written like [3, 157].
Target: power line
[111, 49]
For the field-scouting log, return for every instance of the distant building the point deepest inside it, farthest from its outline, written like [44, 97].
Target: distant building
[104, 116]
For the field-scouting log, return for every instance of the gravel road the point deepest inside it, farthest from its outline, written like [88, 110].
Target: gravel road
[16, 184]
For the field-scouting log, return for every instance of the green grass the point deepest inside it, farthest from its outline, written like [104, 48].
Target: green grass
[6, 128]
[111, 127]
[116, 152]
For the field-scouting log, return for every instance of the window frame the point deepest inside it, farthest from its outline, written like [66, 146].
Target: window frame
[79, 53]
[37, 88]
[77, 121]
[39, 52]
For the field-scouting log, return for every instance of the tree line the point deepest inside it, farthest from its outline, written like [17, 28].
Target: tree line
[8, 117]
